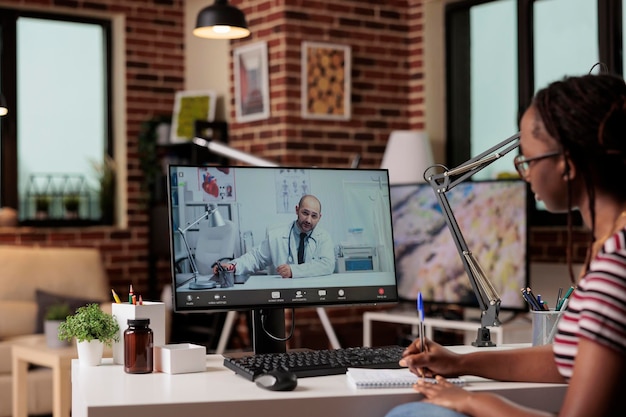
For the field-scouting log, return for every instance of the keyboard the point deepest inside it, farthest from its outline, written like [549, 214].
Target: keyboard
[306, 363]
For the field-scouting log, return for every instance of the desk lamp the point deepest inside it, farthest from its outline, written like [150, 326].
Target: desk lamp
[407, 155]
[442, 180]
[215, 219]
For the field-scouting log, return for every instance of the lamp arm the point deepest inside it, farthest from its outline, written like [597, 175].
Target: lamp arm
[190, 258]
[448, 179]
[442, 182]
[229, 152]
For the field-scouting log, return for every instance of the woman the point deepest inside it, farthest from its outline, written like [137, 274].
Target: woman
[573, 154]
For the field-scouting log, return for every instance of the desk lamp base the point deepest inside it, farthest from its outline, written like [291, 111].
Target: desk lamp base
[202, 285]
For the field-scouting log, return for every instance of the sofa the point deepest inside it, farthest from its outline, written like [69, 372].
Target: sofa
[31, 279]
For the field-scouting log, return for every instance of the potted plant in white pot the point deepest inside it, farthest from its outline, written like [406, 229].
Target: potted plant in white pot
[55, 315]
[93, 329]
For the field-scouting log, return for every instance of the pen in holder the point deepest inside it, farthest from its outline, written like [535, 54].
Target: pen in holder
[544, 324]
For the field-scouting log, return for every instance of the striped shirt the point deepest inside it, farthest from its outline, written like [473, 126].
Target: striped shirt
[597, 308]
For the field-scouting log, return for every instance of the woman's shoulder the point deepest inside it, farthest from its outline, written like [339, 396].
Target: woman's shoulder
[616, 244]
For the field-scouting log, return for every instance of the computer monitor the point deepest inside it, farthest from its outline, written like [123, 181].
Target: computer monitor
[219, 213]
[492, 216]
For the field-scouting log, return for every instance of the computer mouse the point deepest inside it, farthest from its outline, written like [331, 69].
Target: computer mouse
[277, 380]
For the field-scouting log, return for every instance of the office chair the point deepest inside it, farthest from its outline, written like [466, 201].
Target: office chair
[214, 243]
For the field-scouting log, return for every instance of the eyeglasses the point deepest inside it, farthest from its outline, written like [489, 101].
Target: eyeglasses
[522, 164]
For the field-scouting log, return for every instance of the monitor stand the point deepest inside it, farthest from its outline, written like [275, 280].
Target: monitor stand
[266, 322]
[232, 316]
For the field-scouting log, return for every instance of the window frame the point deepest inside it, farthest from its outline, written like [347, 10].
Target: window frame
[458, 108]
[9, 192]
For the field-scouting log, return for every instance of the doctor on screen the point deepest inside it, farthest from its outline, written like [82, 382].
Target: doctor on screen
[297, 249]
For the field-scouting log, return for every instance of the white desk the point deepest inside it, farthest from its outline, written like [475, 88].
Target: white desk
[107, 391]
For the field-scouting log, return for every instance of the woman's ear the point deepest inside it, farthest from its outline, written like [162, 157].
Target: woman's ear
[568, 168]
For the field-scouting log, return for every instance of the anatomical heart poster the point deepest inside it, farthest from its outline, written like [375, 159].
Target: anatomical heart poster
[216, 183]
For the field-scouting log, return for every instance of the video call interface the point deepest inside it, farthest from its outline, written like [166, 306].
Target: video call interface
[355, 211]
[492, 216]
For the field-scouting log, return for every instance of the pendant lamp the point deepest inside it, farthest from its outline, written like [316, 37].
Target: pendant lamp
[221, 21]
[4, 110]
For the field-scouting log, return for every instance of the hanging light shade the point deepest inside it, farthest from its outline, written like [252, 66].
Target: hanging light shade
[4, 110]
[221, 21]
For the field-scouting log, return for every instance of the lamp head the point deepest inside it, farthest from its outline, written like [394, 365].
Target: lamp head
[221, 21]
[214, 216]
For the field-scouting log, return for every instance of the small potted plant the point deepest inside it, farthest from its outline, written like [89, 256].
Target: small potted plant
[92, 328]
[71, 202]
[55, 315]
[106, 173]
[42, 205]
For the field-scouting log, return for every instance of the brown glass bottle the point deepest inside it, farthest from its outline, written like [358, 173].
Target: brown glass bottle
[138, 344]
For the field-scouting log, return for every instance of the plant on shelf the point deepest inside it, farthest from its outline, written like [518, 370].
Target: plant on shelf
[42, 205]
[93, 329]
[71, 202]
[58, 312]
[148, 155]
[55, 315]
[106, 173]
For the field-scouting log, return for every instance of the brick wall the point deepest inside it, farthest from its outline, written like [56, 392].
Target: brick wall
[387, 94]
[154, 72]
[378, 33]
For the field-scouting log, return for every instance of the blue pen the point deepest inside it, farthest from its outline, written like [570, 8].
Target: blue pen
[420, 310]
[420, 306]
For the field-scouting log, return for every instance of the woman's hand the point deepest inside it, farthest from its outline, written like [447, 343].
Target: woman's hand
[434, 360]
[443, 393]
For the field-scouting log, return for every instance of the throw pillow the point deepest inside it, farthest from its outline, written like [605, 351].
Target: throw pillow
[46, 299]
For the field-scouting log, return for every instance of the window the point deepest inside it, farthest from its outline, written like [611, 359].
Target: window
[57, 140]
[499, 52]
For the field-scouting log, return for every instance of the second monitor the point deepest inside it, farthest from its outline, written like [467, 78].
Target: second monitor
[492, 216]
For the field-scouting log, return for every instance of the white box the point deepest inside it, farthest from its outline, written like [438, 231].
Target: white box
[155, 311]
[180, 358]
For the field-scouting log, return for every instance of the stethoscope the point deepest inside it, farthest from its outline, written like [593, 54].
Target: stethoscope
[289, 254]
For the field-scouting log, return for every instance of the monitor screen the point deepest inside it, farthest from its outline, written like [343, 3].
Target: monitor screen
[492, 216]
[249, 219]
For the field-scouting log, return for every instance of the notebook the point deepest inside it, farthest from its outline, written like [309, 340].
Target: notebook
[388, 378]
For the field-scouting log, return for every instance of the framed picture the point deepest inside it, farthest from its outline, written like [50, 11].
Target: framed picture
[252, 98]
[326, 81]
[189, 107]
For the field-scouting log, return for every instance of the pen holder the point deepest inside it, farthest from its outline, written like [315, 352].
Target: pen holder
[227, 278]
[155, 311]
[544, 326]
